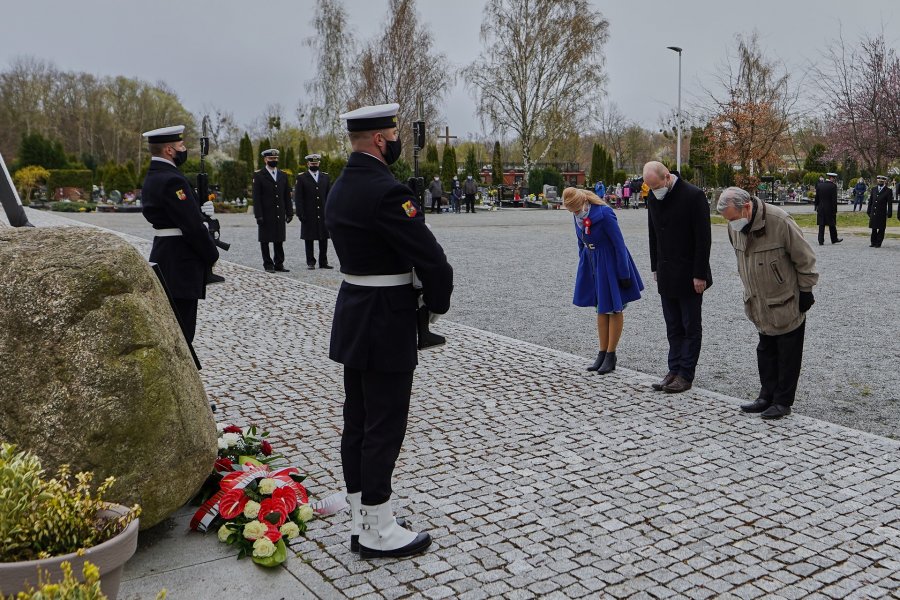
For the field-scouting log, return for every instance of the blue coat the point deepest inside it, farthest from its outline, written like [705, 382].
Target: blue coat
[601, 268]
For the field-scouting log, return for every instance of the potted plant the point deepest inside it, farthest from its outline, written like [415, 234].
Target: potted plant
[46, 522]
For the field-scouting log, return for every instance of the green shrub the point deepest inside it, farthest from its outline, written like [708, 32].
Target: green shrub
[225, 207]
[73, 206]
[812, 177]
[60, 178]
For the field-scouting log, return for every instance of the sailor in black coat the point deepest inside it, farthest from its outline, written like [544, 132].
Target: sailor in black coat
[881, 204]
[826, 208]
[310, 196]
[182, 246]
[272, 209]
[379, 235]
[680, 243]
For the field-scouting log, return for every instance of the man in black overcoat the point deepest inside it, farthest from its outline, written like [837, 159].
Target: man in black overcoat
[310, 195]
[881, 204]
[380, 236]
[182, 246]
[680, 242]
[826, 208]
[272, 209]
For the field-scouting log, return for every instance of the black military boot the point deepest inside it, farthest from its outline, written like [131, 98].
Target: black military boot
[426, 338]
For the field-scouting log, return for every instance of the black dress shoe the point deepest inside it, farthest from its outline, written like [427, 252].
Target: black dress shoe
[678, 385]
[757, 406]
[609, 364]
[325, 267]
[599, 361]
[776, 411]
[282, 270]
[310, 267]
[270, 269]
[838, 241]
[354, 539]
[665, 381]
[417, 546]
[213, 278]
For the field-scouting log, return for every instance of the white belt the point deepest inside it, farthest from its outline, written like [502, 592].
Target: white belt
[379, 280]
[170, 232]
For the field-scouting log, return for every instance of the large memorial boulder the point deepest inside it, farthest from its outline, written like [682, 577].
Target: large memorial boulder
[94, 370]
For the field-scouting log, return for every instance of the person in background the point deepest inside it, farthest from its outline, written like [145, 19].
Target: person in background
[607, 278]
[469, 189]
[272, 209]
[310, 196]
[826, 208]
[879, 210]
[859, 194]
[626, 192]
[456, 194]
[780, 293]
[600, 189]
[437, 193]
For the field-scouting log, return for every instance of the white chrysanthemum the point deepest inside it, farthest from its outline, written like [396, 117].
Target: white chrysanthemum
[304, 512]
[267, 486]
[263, 548]
[290, 530]
[255, 530]
[251, 509]
[224, 532]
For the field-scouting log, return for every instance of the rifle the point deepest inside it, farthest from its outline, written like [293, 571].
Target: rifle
[203, 191]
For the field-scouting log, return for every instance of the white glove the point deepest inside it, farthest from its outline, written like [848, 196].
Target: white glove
[207, 208]
[433, 317]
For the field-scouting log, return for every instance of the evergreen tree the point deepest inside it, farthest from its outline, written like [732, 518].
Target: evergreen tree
[37, 150]
[245, 154]
[448, 165]
[496, 166]
[233, 179]
[471, 165]
[431, 153]
[264, 144]
[290, 160]
[610, 171]
[597, 165]
[304, 152]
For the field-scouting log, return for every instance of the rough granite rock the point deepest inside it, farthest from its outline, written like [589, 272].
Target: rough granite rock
[94, 370]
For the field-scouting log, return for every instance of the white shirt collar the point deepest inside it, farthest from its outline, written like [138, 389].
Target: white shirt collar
[161, 159]
[315, 175]
[381, 160]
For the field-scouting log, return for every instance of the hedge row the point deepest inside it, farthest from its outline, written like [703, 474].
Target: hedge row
[60, 178]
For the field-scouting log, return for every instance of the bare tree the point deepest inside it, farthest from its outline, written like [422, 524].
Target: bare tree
[752, 111]
[612, 125]
[334, 48]
[223, 129]
[542, 72]
[400, 64]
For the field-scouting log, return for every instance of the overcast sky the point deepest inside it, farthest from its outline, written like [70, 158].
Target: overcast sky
[243, 55]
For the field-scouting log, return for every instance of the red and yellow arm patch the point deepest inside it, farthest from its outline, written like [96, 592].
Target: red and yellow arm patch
[410, 209]
[181, 195]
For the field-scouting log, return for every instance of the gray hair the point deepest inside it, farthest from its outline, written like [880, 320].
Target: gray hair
[733, 196]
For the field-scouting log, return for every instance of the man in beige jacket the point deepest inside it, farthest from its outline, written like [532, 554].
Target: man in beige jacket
[778, 269]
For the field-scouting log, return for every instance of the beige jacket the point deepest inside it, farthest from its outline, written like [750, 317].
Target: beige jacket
[775, 264]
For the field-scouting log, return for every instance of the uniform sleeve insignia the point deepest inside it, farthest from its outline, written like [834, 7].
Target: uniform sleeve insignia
[410, 209]
[181, 195]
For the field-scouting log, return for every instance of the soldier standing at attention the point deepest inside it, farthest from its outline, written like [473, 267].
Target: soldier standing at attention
[310, 196]
[879, 211]
[272, 209]
[182, 246]
[379, 235]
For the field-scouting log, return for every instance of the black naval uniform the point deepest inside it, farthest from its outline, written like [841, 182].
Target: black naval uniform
[169, 202]
[378, 229]
[272, 209]
[880, 208]
[826, 210]
[310, 196]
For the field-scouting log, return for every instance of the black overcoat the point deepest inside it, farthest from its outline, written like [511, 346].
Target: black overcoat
[881, 207]
[377, 228]
[680, 239]
[310, 197]
[826, 203]
[272, 204]
[168, 201]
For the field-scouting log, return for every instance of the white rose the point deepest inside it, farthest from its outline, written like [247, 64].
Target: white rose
[224, 532]
[231, 438]
[290, 530]
[222, 444]
[220, 427]
[304, 512]
[251, 509]
[263, 548]
[267, 486]
[255, 530]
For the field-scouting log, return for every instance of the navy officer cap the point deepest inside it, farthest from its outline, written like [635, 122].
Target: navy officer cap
[273, 152]
[163, 135]
[368, 118]
[315, 157]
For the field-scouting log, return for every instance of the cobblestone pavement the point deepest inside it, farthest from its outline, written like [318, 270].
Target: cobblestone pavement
[539, 480]
[515, 275]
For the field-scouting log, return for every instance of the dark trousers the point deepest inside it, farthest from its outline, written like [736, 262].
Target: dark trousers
[267, 258]
[779, 358]
[310, 255]
[435, 204]
[877, 237]
[684, 328]
[832, 230]
[470, 202]
[187, 315]
[375, 413]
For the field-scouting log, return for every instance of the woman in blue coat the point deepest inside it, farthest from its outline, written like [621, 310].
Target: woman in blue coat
[607, 278]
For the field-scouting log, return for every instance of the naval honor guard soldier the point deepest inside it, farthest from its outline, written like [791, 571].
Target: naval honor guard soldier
[379, 234]
[272, 209]
[182, 246]
[310, 195]
[879, 210]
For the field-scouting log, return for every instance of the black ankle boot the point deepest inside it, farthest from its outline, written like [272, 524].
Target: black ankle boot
[600, 356]
[609, 364]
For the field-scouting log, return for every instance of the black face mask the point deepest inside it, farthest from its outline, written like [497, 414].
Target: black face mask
[272, 164]
[313, 168]
[180, 157]
[392, 151]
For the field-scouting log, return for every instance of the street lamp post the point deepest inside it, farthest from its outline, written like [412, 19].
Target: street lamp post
[678, 124]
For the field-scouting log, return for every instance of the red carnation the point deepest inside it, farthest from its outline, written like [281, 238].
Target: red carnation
[232, 429]
[276, 507]
[288, 495]
[232, 503]
[266, 447]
